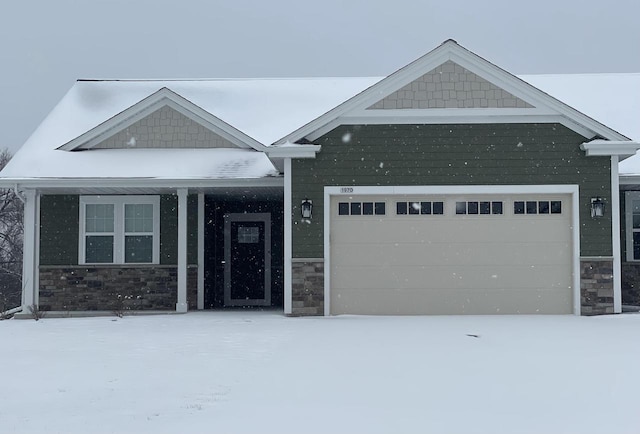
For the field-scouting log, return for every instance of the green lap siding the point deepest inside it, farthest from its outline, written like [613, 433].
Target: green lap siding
[482, 154]
[169, 229]
[59, 230]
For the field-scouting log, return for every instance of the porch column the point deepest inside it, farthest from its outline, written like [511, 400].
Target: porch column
[615, 235]
[181, 305]
[200, 251]
[287, 238]
[29, 269]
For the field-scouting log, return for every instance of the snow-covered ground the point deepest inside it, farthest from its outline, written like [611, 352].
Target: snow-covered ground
[250, 372]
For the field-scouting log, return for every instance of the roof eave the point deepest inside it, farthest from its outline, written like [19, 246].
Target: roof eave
[169, 183]
[599, 148]
[293, 151]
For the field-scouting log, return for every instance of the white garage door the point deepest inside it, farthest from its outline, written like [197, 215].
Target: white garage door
[485, 254]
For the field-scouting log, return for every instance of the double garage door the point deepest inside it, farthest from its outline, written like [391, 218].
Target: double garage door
[451, 254]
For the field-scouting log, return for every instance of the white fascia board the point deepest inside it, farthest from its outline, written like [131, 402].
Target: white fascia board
[452, 118]
[146, 106]
[630, 179]
[598, 148]
[49, 183]
[449, 112]
[293, 151]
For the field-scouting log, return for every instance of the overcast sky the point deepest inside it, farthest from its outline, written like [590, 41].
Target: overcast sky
[46, 45]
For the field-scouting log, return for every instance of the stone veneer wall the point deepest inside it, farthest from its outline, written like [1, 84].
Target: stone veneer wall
[82, 288]
[596, 286]
[307, 287]
[631, 283]
[449, 86]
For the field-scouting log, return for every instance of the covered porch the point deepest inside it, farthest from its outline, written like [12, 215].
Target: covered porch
[171, 246]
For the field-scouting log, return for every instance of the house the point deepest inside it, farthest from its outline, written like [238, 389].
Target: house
[449, 187]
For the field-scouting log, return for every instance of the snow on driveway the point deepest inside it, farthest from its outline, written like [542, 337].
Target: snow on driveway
[250, 372]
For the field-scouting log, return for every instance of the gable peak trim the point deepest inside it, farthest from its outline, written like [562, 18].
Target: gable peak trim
[450, 50]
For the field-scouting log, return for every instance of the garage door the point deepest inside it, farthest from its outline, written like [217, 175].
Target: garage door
[489, 254]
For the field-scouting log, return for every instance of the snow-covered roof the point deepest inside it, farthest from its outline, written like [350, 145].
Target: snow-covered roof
[220, 163]
[263, 109]
[610, 98]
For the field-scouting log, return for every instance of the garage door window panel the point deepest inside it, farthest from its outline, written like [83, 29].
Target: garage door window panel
[361, 208]
[478, 208]
[419, 208]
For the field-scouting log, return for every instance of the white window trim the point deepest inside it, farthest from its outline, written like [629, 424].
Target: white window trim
[630, 196]
[119, 203]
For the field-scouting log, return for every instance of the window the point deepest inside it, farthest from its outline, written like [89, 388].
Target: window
[632, 225]
[248, 234]
[119, 230]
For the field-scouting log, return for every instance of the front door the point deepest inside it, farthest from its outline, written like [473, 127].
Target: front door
[247, 259]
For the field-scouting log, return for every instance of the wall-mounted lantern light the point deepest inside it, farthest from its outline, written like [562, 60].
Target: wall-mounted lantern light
[597, 207]
[306, 208]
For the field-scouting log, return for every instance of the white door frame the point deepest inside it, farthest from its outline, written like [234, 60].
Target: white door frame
[247, 217]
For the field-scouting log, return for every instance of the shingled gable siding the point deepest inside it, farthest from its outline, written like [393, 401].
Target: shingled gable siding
[386, 155]
[449, 86]
[165, 128]
[65, 285]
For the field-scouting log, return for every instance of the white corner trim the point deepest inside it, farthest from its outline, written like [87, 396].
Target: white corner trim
[328, 192]
[615, 236]
[200, 251]
[146, 106]
[575, 238]
[36, 247]
[572, 190]
[598, 148]
[29, 268]
[288, 293]
[181, 304]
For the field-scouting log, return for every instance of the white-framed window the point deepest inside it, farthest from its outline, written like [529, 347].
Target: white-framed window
[119, 230]
[632, 225]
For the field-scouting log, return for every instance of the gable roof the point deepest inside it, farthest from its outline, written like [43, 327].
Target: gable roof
[256, 113]
[162, 98]
[359, 108]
